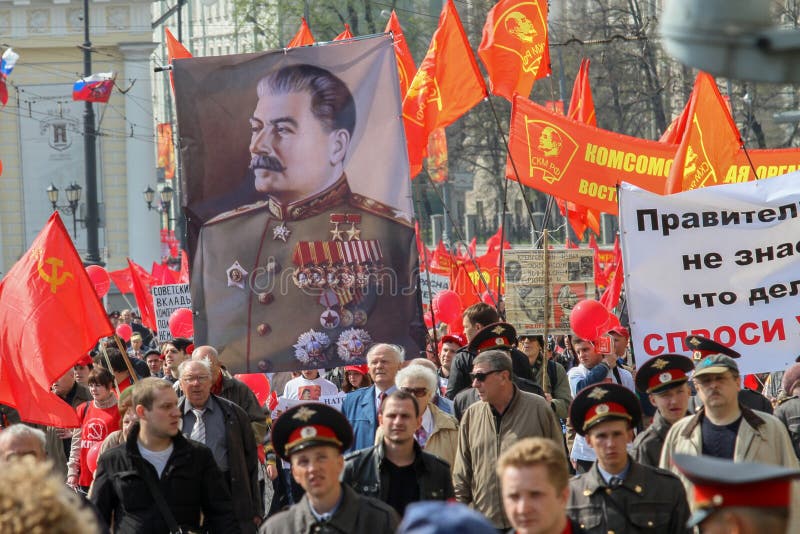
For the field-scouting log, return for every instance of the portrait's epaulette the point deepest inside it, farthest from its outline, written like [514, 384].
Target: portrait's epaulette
[380, 209]
[781, 400]
[241, 210]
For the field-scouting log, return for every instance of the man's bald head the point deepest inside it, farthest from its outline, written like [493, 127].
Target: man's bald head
[210, 354]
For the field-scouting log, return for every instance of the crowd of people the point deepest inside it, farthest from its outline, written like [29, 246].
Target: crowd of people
[489, 431]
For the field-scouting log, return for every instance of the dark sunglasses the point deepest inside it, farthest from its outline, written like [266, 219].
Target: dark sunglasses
[480, 377]
[417, 392]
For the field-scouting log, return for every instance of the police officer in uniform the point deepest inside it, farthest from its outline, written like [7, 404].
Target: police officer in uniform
[310, 276]
[742, 497]
[618, 494]
[312, 437]
[664, 378]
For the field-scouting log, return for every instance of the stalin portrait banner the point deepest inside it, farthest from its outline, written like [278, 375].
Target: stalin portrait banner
[298, 201]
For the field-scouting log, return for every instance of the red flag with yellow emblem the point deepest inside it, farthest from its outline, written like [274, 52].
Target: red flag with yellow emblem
[303, 36]
[514, 46]
[50, 317]
[710, 141]
[447, 85]
[406, 68]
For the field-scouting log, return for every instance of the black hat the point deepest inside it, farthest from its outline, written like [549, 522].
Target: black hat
[722, 483]
[152, 351]
[663, 372]
[182, 344]
[309, 425]
[702, 347]
[599, 402]
[494, 336]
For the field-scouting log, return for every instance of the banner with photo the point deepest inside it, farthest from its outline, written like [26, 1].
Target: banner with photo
[719, 262]
[297, 193]
[564, 276]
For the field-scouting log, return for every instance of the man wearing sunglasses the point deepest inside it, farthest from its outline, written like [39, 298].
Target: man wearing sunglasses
[397, 470]
[504, 415]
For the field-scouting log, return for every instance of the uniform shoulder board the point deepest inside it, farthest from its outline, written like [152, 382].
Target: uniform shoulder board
[378, 208]
[781, 400]
[664, 472]
[241, 210]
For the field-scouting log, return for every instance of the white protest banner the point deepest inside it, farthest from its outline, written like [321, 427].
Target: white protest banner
[438, 283]
[721, 262]
[167, 299]
[334, 401]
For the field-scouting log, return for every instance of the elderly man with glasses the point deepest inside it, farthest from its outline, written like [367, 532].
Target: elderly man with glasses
[504, 415]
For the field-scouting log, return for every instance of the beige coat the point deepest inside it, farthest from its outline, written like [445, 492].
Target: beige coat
[480, 444]
[762, 438]
[443, 441]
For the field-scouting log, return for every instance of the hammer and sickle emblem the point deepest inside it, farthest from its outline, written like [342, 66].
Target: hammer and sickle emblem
[55, 278]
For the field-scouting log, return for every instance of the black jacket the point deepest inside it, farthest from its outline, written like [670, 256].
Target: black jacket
[462, 367]
[191, 484]
[362, 468]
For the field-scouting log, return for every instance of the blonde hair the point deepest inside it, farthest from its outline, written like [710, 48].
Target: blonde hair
[529, 452]
[34, 501]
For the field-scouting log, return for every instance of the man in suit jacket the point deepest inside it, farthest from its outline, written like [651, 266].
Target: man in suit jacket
[360, 407]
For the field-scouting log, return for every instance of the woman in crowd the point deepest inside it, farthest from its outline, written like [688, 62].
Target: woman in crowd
[355, 377]
[97, 419]
[439, 431]
[127, 418]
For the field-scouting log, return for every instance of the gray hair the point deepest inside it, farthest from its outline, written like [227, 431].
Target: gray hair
[23, 430]
[185, 363]
[498, 360]
[424, 362]
[396, 350]
[418, 372]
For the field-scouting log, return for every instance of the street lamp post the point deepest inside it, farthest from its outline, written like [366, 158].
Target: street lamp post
[166, 194]
[73, 200]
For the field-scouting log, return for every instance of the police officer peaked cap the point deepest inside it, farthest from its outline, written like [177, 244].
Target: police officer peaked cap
[310, 425]
[600, 402]
[702, 347]
[494, 336]
[722, 483]
[663, 372]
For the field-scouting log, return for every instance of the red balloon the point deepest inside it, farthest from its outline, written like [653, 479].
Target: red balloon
[124, 331]
[180, 323]
[447, 306]
[92, 455]
[258, 383]
[589, 319]
[100, 279]
[456, 326]
[428, 318]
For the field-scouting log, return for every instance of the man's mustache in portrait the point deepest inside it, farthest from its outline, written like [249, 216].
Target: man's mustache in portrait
[268, 163]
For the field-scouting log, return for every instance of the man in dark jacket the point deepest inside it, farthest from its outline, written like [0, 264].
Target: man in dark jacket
[476, 318]
[183, 471]
[224, 428]
[312, 437]
[396, 470]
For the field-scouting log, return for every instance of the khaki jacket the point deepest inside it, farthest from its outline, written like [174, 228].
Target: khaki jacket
[562, 397]
[443, 441]
[356, 515]
[762, 438]
[480, 444]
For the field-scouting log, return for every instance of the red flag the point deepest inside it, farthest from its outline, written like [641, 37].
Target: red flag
[3, 90]
[514, 46]
[422, 250]
[344, 35]
[473, 247]
[141, 291]
[183, 277]
[610, 297]
[710, 142]
[570, 244]
[122, 279]
[406, 68]
[493, 243]
[46, 290]
[599, 278]
[303, 36]
[447, 85]
[175, 50]
[163, 275]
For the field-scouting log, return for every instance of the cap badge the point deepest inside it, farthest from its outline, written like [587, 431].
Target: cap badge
[664, 377]
[717, 500]
[498, 329]
[499, 341]
[304, 414]
[697, 355]
[602, 408]
[598, 394]
[694, 341]
[308, 432]
[660, 363]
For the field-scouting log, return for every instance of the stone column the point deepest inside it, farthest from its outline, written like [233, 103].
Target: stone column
[144, 226]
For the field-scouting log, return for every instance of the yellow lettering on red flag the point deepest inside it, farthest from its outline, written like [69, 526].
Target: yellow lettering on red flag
[514, 47]
[447, 85]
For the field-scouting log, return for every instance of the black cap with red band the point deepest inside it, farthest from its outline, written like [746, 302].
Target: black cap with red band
[501, 336]
[310, 425]
[664, 372]
[600, 402]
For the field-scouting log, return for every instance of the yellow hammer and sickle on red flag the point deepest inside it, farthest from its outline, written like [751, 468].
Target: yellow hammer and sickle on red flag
[55, 278]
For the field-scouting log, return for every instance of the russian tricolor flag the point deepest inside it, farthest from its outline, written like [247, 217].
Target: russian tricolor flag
[7, 62]
[94, 88]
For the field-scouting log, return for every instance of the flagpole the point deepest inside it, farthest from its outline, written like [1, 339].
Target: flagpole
[108, 364]
[430, 294]
[90, 155]
[124, 352]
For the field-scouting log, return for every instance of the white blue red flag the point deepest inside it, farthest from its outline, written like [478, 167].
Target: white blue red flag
[94, 88]
[8, 61]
